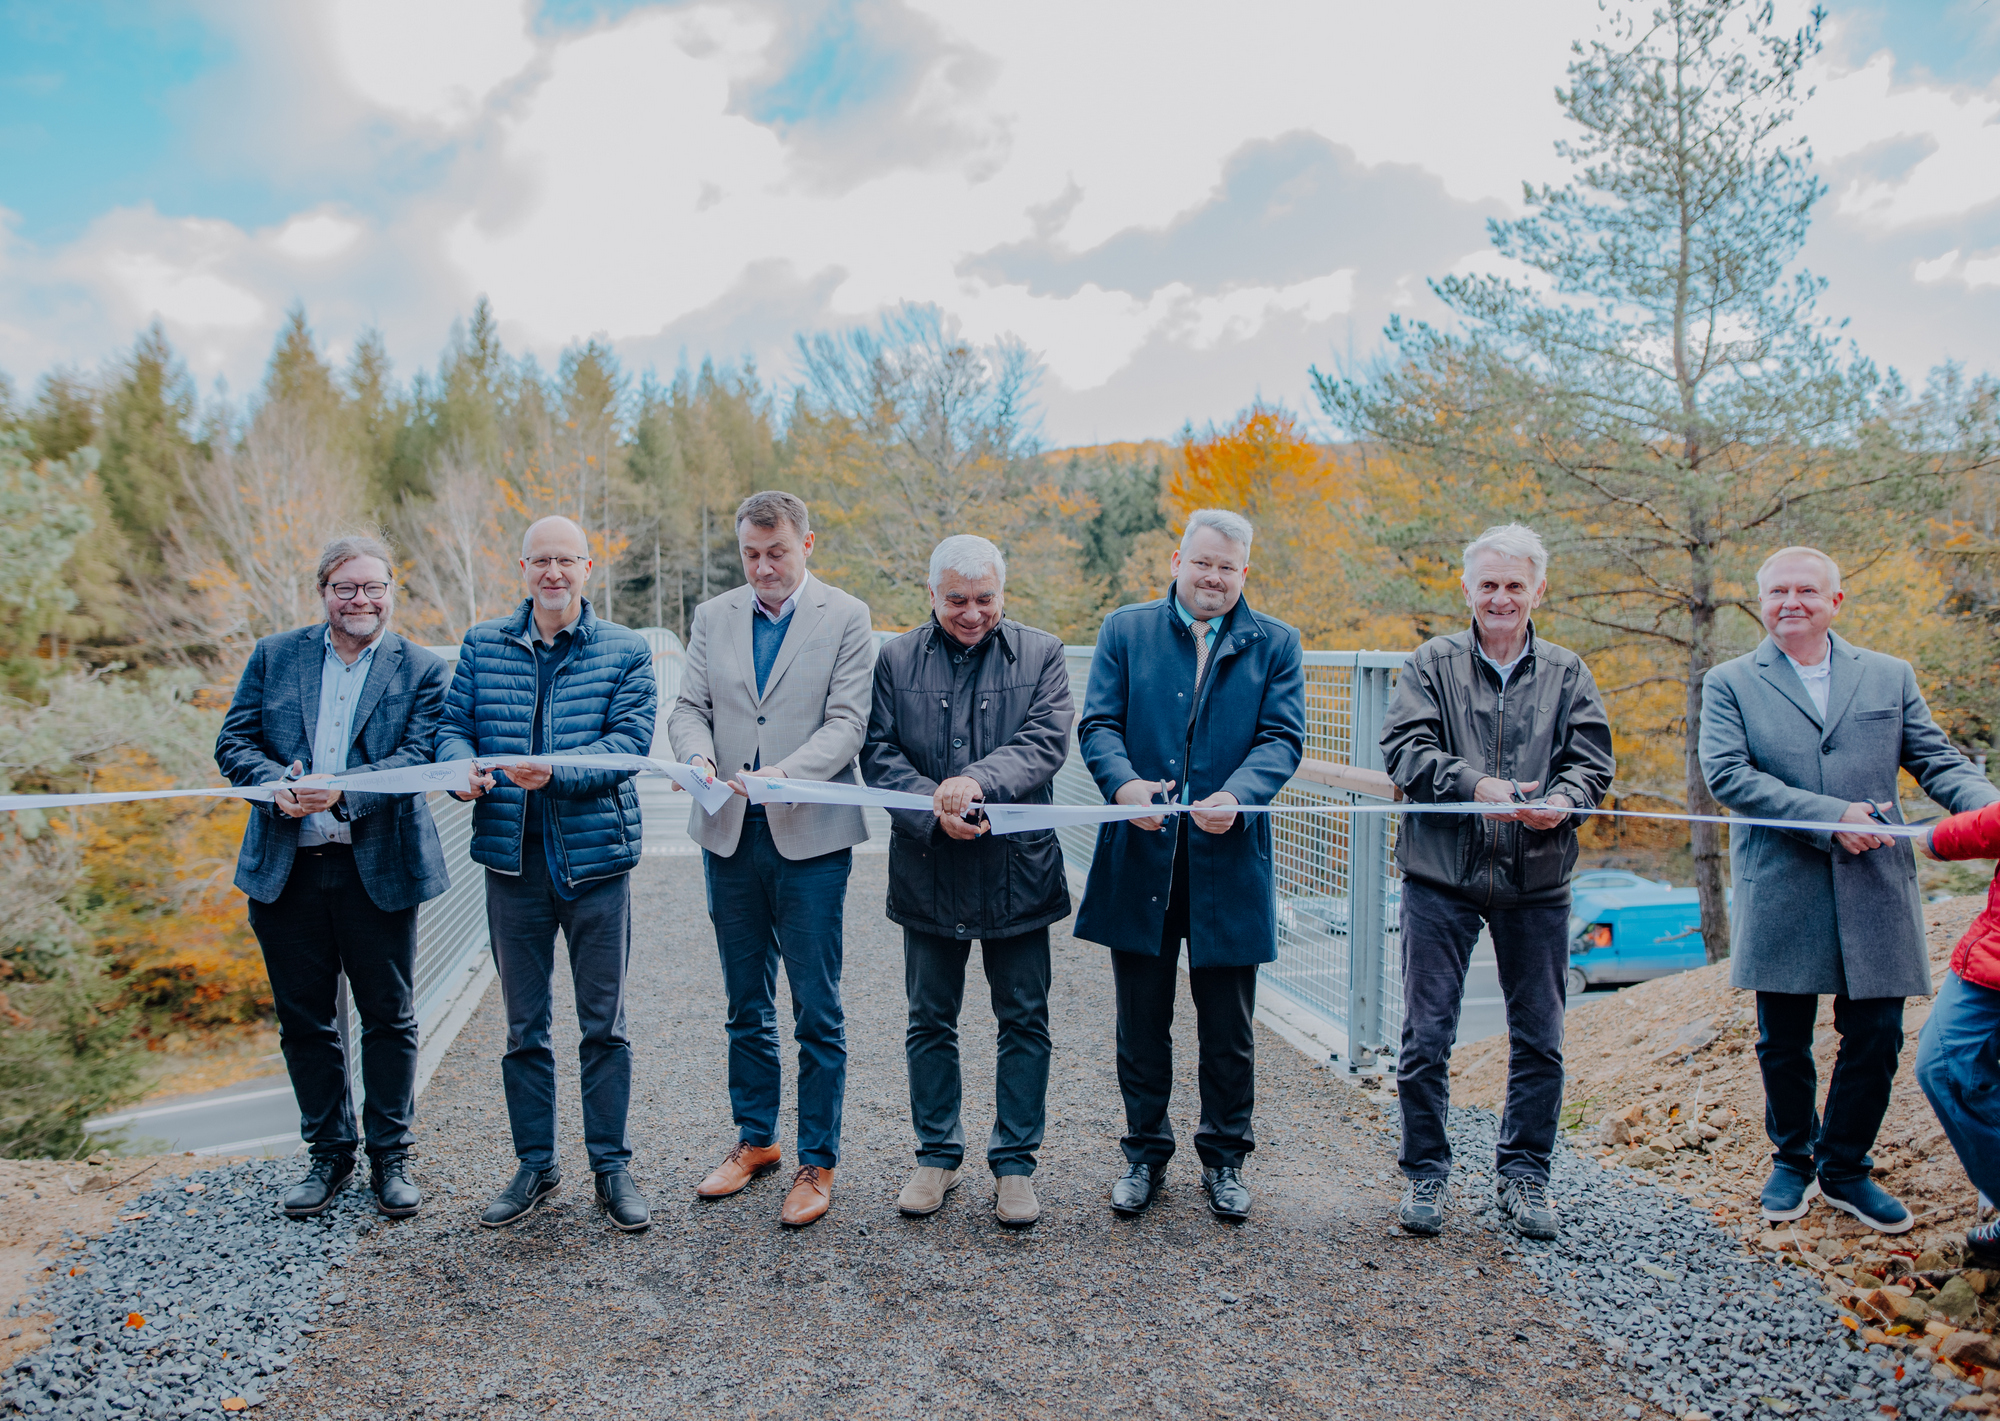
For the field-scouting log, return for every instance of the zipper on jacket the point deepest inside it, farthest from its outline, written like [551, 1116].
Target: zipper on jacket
[1499, 759]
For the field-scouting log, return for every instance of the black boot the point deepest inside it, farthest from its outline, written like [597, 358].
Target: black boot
[621, 1200]
[395, 1196]
[325, 1179]
[524, 1191]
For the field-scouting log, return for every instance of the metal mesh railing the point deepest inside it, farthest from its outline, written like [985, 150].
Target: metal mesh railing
[1338, 900]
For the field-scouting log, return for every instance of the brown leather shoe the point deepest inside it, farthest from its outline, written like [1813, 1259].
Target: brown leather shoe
[812, 1192]
[741, 1165]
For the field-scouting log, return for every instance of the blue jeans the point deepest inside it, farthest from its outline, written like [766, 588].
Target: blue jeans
[1857, 1097]
[1959, 1069]
[1017, 979]
[522, 914]
[1531, 946]
[766, 907]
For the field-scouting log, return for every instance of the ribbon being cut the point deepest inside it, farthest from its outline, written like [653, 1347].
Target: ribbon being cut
[712, 794]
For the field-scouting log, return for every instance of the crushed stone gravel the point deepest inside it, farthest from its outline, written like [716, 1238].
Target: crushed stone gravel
[196, 1302]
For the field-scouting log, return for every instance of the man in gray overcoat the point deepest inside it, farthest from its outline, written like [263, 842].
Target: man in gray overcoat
[1807, 727]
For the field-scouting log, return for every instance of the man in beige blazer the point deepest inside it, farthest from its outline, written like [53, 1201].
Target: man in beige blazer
[779, 677]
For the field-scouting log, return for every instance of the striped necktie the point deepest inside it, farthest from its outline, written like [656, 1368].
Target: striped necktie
[1200, 630]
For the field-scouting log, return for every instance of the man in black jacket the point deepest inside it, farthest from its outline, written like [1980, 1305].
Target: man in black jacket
[1493, 714]
[971, 708]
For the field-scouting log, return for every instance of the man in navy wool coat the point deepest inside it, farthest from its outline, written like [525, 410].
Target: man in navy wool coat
[1194, 700]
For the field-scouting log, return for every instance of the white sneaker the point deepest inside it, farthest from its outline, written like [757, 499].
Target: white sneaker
[925, 1192]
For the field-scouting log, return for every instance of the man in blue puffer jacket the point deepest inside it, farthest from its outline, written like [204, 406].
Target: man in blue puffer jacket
[558, 846]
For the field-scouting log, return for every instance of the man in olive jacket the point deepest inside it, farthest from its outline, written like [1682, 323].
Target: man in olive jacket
[971, 708]
[1499, 715]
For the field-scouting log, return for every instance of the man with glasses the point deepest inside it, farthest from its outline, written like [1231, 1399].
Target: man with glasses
[334, 880]
[559, 846]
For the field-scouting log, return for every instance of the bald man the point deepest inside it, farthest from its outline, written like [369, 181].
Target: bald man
[559, 845]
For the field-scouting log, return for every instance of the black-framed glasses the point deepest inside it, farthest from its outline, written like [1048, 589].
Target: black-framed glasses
[543, 564]
[373, 591]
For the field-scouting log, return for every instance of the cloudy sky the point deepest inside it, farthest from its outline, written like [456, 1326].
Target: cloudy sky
[1179, 206]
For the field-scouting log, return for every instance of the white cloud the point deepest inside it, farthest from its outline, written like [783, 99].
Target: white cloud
[316, 236]
[432, 60]
[1857, 110]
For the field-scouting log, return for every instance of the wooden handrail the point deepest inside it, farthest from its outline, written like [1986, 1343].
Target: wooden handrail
[1351, 778]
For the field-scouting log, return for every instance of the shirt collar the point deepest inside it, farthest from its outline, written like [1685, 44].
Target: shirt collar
[791, 604]
[366, 651]
[1823, 667]
[1527, 648]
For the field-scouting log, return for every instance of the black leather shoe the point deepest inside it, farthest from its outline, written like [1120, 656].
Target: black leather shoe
[1131, 1194]
[622, 1202]
[395, 1196]
[1228, 1197]
[524, 1191]
[323, 1182]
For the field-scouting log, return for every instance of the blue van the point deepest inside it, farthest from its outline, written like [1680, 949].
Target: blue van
[1622, 935]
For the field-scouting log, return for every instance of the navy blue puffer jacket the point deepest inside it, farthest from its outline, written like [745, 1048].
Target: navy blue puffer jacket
[601, 702]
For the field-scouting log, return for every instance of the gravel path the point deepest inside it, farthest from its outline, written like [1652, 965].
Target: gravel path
[1315, 1307]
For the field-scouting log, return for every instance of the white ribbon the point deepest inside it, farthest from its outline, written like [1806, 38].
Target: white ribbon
[712, 794]
[449, 775]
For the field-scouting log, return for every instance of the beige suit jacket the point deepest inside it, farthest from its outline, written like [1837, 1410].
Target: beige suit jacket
[807, 725]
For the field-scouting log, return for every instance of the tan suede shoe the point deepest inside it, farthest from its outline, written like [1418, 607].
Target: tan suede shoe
[811, 1194]
[925, 1192]
[741, 1165]
[1015, 1204]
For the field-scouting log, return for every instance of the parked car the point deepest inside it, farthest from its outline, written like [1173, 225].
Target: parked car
[1597, 880]
[1623, 935]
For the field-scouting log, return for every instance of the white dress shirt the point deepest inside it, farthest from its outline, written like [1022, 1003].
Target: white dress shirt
[1818, 678]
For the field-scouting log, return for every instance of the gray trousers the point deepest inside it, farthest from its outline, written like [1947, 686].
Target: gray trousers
[1017, 977]
[522, 915]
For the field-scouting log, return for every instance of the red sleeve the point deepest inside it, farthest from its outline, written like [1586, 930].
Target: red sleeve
[1973, 835]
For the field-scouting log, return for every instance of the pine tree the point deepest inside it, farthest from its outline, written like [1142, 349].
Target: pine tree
[148, 438]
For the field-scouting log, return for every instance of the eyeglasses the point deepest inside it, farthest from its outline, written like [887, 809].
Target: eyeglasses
[373, 591]
[544, 563]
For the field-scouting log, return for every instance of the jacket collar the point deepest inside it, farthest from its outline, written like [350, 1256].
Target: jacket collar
[807, 612]
[1842, 682]
[1003, 637]
[1239, 629]
[519, 626]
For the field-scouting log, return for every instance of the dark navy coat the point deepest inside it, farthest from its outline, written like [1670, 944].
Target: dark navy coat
[1249, 731]
[601, 702]
[272, 721]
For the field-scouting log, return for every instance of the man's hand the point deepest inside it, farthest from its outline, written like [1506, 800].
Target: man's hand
[1142, 792]
[957, 828]
[955, 796]
[1862, 813]
[529, 776]
[311, 800]
[1548, 818]
[1492, 791]
[480, 782]
[287, 799]
[1215, 821]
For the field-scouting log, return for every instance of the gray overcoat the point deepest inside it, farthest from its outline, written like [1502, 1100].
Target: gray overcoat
[1808, 916]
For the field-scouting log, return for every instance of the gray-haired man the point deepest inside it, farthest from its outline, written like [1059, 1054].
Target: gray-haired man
[972, 708]
[1493, 714]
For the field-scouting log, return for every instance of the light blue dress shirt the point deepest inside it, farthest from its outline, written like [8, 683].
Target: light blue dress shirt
[339, 692]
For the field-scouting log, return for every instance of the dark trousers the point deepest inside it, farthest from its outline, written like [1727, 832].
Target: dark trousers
[1225, 1002]
[522, 914]
[1857, 1095]
[1532, 947]
[322, 925]
[1958, 1066]
[1017, 978]
[768, 908]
